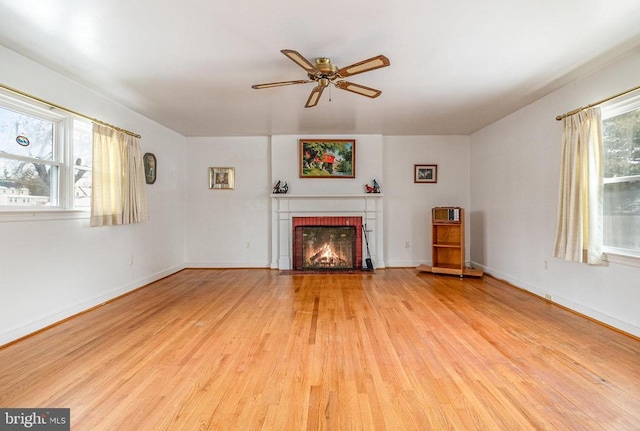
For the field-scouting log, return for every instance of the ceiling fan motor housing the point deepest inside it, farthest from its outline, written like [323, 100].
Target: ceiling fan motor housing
[324, 65]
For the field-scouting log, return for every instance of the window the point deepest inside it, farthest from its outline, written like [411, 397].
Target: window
[621, 140]
[82, 162]
[45, 158]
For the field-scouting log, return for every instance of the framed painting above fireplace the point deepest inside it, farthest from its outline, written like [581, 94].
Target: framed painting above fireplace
[327, 158]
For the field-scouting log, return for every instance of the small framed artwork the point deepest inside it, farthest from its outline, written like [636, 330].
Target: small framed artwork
[425, 173]
[222, 178]
[150, 165]
[327, 158]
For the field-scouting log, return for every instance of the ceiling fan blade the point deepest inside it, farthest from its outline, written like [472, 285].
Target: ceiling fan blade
[358, 89]
[364, 66]
[314, 96]
[299, 60]
[278, 84]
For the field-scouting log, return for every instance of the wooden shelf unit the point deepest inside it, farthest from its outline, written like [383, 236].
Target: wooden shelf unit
[447, 240]
[447, 243]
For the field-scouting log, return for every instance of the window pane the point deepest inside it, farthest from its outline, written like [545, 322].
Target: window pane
[24, 135]
[82, 188]
[83, 159]
[27, 184]
[622, 215]
[621, 206]
[621, 136]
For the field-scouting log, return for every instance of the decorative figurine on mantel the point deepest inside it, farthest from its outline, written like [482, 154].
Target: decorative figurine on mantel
[375, 188]
[278, 189]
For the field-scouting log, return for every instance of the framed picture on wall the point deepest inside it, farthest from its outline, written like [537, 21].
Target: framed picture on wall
[150, 164]
[425, 173]
[327, 158]
[222, 178]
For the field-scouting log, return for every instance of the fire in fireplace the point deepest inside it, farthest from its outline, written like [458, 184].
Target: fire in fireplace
[328, 247]
[327, 243]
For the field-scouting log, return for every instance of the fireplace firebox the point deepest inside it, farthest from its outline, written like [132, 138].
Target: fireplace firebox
[328, 247]
[327, 243]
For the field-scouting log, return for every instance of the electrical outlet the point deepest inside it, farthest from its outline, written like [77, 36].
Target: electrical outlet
[546, 264]
[406, 244]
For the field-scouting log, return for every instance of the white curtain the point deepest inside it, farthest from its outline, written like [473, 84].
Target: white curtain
[579, 225]
[119, 194]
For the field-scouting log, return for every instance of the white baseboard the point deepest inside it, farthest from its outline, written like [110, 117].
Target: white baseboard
[402, 264]
[564, 302]
[36, 325]
[217, 265]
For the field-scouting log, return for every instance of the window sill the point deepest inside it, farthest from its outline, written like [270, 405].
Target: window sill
[43, 215]
[622, 259]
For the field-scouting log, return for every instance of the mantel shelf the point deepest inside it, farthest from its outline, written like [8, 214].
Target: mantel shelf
[290, 196]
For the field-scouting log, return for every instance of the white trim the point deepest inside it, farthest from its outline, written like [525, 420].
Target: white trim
[286, 196]
[61, 196]
[285, 207]
[614, 108]
[225, 265]
[615, 256]
[628, 179]
[620, 105]
[12, 334]
[548, 296]
[401, 263]
[31, 107]
[10, 215]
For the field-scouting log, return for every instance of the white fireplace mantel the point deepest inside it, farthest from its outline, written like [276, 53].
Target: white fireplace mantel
[285, 206]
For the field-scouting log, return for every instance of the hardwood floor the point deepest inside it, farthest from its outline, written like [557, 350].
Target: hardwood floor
[390, 350]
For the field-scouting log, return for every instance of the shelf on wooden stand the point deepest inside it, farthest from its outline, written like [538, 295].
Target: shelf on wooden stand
[447, 243]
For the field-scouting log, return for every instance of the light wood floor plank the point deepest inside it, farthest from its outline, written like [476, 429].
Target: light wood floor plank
[397, 349]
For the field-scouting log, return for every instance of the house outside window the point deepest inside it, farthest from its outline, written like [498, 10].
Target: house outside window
[621, 206]
[45, 158]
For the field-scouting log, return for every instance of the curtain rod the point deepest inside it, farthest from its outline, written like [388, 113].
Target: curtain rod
[599, 102]
[53, 105]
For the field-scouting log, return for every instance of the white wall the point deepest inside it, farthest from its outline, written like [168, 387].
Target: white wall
[52, 269]
[222, 222]
[515, 166]
[232, 228]
[407, 205]
[229, 228]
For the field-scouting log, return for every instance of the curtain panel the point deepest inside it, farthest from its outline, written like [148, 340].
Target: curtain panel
[579, 231]
[119, 194]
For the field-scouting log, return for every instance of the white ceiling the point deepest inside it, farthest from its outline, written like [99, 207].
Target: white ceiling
[456, 65]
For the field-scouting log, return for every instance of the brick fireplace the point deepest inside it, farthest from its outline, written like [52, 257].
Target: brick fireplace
[289, 211]
[338, 245]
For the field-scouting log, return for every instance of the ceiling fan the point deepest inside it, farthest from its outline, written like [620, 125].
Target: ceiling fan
[323, 72]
